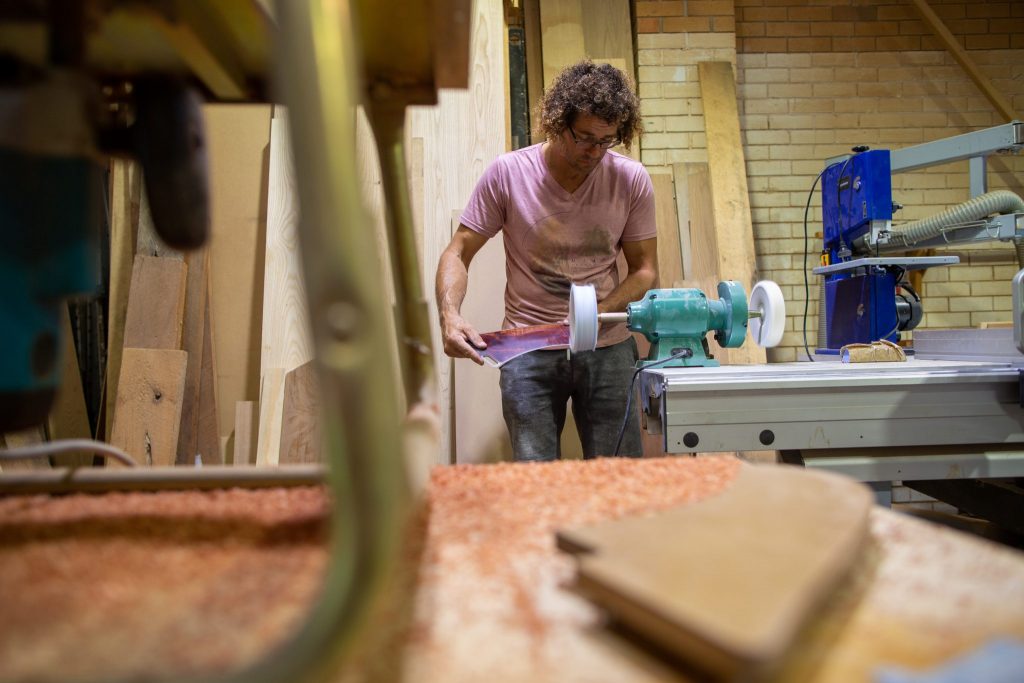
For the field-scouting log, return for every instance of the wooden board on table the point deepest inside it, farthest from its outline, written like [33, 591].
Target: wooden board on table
[728, 583]
[300, 420]
[156, 303]
[147, 415]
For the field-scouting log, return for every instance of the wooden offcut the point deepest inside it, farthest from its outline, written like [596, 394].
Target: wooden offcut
[193, 340]
[147, 416]
[156, 303]
[125, 196]
[268, 444]
[246, 419]
[734, 235]
[208, 439]
[727, 584]
[300, 421]
[69, 417]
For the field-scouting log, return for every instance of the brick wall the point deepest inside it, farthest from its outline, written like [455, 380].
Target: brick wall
[806, 95]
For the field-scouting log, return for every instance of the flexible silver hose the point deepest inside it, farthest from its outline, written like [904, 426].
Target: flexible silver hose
[906, 236]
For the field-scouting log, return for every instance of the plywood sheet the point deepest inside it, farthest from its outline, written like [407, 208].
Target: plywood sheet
[728, 583]
[287, 336]
[460, 138]
[561, 35]
[148, 409]
[238, 139]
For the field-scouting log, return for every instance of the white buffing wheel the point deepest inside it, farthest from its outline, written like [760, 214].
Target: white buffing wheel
[582, 318]
[767, 328]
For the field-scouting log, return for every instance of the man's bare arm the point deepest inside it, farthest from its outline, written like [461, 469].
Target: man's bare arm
[642, 261]
[458, 336]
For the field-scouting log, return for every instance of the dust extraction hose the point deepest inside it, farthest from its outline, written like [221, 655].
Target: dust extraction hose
[999, 201]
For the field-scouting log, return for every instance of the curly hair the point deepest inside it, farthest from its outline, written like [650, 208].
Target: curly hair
[599, 90]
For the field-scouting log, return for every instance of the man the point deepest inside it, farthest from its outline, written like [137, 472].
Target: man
[567, 208]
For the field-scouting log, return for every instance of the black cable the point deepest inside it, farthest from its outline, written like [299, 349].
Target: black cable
[807, 290]
[632, 384]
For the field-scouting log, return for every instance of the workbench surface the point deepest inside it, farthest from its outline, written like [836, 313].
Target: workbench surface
[179, 583]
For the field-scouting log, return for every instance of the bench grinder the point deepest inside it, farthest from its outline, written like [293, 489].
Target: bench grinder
[676, 321]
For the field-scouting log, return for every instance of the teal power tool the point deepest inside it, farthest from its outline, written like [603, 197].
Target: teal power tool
[676, 321]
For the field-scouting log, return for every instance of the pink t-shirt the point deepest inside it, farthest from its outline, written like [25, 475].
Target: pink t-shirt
[554, 238]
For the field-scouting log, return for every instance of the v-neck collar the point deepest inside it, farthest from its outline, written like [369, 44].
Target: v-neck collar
[554, 185]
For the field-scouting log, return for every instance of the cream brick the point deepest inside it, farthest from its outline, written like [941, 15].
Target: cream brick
[792, 214]
[944, 320]
[791, 151]
[812, 75]
[687, 124]
[834, 89]
[713, 40]
[649, 91]
[658, 41]
[1004, 273]
[769, 168]
[753, 61]
[681, 90]
[990, 317]
[748, 91]
[789, 61]
[969, 273]
[766, 137]
[694, 154]
[957, 304]
[995, 288]
[936, 304]
[662, 73]
[652, 157]
[663, 141]
[767, 106]
[649, 57]
[936, 289]
[663, 107]
[768, 76]
[756, 153]
[775, 262]
[1002, 303]
[654, 124]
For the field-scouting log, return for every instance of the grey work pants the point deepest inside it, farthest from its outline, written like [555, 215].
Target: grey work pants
[536, 386]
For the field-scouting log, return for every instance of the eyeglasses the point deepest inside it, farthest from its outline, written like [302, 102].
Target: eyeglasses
[590, 143]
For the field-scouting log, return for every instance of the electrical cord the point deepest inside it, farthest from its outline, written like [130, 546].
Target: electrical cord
[45, 450]
[807, 289]
[632, 383]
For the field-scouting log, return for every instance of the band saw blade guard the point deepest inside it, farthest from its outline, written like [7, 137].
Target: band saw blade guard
[676, 321]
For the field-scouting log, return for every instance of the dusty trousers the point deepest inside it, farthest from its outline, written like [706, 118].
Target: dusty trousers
[536, 387]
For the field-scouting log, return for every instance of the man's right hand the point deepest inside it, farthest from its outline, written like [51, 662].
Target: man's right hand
[460, 339]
